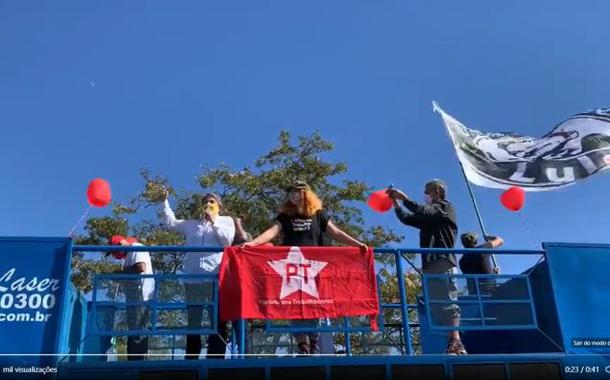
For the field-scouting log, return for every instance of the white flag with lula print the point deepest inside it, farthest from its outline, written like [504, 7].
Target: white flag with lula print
[575, 149]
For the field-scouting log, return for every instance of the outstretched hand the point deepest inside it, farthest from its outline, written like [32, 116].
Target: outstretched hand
[248, 244]
[396, 194]
[363, 247]
[154, 192]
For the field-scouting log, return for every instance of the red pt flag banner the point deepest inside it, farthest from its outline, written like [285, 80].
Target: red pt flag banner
[298, 283]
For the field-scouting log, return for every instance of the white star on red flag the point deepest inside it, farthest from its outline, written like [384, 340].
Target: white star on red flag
[298, 273]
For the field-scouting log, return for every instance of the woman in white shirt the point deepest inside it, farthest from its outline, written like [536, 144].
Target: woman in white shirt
[212, 230]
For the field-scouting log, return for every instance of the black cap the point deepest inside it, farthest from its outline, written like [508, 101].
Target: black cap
[298, 185]
[469, 239]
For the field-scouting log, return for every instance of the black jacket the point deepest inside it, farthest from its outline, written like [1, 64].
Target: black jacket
[437, 224]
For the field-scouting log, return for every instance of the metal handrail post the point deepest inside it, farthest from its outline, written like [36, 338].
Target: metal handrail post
[403, 302]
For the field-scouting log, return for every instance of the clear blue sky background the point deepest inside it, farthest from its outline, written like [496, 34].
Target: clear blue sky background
[104, 88]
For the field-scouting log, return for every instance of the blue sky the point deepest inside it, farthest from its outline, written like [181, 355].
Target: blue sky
[104, 88]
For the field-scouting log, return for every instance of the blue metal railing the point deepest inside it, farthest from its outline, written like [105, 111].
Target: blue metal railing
[483, 305]
[405, 325]
[152, 306]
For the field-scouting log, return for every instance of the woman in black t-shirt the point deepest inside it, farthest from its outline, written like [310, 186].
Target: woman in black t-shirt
[303, 222]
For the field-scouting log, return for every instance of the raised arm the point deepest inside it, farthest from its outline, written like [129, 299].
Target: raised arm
[406, 217]
[425, 212]
[169, 218]
[240, 233]
[492, 242]
[420, 213]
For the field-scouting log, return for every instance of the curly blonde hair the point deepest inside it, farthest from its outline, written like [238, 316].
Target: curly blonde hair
[310, 204]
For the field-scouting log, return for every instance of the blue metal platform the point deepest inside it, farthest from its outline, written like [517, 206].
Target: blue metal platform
[547, 322]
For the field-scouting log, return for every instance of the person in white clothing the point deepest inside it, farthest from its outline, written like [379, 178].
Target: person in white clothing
[135, 291]
[212, 230]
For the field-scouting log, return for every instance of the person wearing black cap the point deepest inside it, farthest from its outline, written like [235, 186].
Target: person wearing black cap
[437, 223]
[302, 222]
[479, 263]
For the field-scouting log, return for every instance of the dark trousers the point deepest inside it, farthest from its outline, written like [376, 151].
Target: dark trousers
[216, 345]
[216, 342]
[137, 347]
[137, 317]
[307, 340]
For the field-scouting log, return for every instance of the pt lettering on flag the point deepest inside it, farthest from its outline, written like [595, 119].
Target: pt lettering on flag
[298, 283]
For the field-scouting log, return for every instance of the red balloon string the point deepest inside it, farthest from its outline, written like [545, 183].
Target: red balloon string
[529, 233]
[79, 221]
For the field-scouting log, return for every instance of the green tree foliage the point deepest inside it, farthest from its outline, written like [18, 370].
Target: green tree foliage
[254, 194]
[100, 229]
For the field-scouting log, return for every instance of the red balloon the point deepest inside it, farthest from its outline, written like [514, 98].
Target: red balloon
[98, 193]
[513, 198]
[379, 201]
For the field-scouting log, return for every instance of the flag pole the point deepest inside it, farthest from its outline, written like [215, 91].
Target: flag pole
[474, 201]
